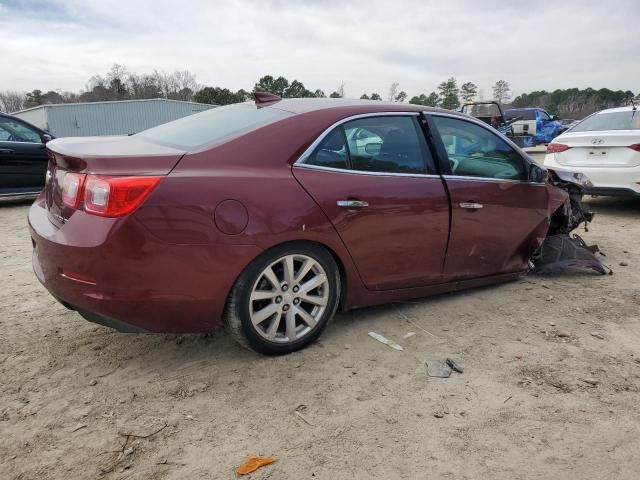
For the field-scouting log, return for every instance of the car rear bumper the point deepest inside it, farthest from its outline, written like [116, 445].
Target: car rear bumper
[613, 181]
[114, 272]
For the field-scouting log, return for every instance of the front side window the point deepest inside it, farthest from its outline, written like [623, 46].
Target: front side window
[12, 131]
[474, 151]
[383, 144]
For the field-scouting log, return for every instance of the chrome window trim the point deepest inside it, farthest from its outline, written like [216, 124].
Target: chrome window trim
[492, 180]
[22, 143]
[309, 150]
[362, 172]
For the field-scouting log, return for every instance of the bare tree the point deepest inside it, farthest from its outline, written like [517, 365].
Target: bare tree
[11, 101]
[501, 92]
[393, 91]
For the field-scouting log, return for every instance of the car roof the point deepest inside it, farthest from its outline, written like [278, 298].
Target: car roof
[352, 106]
[628, 108]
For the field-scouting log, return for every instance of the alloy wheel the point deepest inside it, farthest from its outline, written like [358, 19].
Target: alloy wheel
[289, 298]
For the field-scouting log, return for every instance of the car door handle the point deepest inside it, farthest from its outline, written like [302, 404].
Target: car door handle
[470, 205]
[6, 150]
[352, 203]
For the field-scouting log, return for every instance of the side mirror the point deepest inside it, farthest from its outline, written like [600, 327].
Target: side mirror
[46, 137]
[554, 117]
[537, 174]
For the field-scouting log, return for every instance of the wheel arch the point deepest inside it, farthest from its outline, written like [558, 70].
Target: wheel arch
[339, 263]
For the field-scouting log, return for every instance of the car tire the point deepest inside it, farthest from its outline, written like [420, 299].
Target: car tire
[284, 299]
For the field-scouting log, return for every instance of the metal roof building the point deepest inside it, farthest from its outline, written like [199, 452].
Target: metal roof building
[107, 118]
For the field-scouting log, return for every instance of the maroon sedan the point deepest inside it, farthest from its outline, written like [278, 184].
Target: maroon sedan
[269, 217]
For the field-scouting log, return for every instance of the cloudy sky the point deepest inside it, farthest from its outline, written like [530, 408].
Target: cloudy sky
[59, 44]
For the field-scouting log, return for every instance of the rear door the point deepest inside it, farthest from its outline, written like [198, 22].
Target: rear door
[374, 177]
[23, 157]
[494, 206]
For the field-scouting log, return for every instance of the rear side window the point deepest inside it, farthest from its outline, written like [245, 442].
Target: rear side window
[212, 125]
[384, 144]
[332, 151]
[474, 151]
[599, 122]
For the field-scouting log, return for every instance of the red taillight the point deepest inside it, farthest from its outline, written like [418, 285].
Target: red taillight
[557, 147]
[635, 146]
[72, 189]
[116, 196]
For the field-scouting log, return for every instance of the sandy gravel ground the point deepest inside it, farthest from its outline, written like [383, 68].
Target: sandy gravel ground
[79, 401]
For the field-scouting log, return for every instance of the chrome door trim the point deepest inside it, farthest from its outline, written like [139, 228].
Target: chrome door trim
[22, 143]
[489, 179]
[360, 172]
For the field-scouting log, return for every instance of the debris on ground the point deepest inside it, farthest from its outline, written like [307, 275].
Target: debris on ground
[79, 427]
[408, 334]
[597, 335]
[454, 366]
[562, 334]
[589, 381]
[386, 341]
[298, 413]
[252, 463]
[436, 368]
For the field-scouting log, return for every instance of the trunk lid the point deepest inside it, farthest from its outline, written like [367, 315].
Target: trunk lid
[110, 156]
[599, 149]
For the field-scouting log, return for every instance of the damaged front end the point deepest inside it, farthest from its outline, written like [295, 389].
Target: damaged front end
[560, 251]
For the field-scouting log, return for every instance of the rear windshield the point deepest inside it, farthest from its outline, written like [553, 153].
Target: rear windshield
[628, 120]
[482, 110]
[520, 114]
[212, 125]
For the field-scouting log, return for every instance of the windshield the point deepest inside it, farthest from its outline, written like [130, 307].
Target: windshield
[628, 120]
[212, 125]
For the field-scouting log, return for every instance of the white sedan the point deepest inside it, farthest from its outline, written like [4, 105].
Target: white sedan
[605, 147]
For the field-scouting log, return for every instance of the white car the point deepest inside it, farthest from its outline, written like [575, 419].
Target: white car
[605, 147]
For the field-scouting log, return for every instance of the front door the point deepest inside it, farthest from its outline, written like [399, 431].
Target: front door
[495, 208]
[23, 157]
[374, 178]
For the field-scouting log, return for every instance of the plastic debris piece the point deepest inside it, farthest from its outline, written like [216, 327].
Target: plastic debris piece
[252, 463]
[454, 366]
[408, 334]
[386, 341]
[436, 368]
